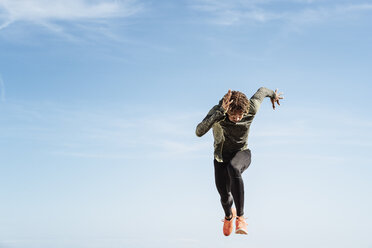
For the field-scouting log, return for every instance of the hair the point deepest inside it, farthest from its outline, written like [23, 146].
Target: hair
[240, 102]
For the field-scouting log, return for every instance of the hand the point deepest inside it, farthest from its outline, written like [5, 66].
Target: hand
[226, 101]
[276, 98]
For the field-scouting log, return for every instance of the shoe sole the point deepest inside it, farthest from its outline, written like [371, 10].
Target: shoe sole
[241, 231]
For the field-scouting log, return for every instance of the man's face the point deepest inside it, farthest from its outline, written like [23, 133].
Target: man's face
[235, 116]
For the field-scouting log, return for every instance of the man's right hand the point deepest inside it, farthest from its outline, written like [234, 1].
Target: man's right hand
[226, 101]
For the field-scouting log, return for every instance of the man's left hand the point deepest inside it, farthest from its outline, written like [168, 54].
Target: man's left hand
[276, 98]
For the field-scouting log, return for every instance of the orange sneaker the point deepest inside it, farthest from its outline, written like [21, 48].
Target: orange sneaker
[228, 224]
[241, 225]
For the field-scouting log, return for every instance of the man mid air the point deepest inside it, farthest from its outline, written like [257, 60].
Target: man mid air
[230, 120]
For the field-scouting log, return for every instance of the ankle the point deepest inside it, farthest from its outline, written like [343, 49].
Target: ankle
[229, 217]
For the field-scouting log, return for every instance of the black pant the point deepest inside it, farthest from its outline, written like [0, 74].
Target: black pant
[229, 182]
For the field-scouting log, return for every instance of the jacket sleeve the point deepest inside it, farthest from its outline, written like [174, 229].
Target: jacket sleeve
[257, 98]
[217, 113]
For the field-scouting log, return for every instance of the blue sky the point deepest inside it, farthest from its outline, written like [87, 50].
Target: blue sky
[99, 101]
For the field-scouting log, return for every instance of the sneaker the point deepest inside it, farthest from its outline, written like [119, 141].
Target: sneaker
[228, 224]
[241, 225]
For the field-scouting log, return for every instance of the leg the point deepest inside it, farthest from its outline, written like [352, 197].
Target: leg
[222, 180]
[235, 168]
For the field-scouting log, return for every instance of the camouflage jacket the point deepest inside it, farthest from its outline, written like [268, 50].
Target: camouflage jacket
[230, 137]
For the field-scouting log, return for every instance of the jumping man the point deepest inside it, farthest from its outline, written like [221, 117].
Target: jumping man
[230, 120]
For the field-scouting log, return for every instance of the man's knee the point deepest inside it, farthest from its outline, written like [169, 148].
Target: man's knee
[234, 171]
[226, 198]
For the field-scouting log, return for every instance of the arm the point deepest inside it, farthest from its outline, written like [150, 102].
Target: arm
[215, 114]
[257, 98]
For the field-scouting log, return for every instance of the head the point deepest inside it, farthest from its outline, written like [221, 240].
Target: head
[238, 107]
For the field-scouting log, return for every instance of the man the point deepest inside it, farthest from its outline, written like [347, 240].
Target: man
[230, 120]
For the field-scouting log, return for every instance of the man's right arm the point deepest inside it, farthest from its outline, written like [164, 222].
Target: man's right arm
[217, 113]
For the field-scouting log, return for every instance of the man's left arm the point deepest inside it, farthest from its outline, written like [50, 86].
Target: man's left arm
[257, 98]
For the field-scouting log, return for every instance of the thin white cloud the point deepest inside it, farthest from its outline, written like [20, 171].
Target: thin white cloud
[231, 12]
[352, 7]
[5, 24]
[115, 135]
[321, 13]
[104, 135]
[2, 90]
[45, 11]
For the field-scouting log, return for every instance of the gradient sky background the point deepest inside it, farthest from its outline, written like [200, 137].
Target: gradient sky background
[99, 101]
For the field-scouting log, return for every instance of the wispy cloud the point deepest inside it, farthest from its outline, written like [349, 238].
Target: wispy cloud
[323, 13]
[105, 135]
[2, 90]
[116, 135]
[233, 12]
[44, 12]
[328, 128]
[224, 12]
